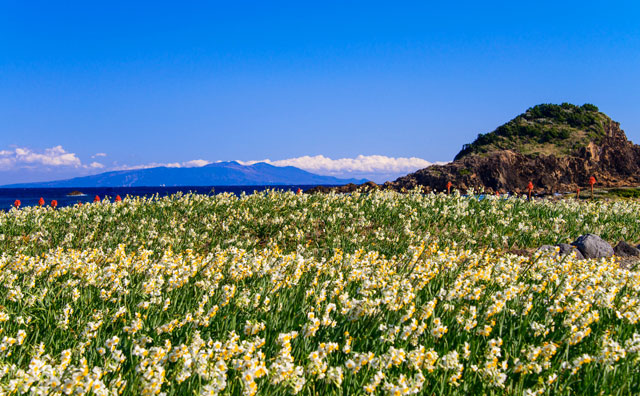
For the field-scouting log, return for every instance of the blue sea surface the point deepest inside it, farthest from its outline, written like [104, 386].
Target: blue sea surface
[31, 196]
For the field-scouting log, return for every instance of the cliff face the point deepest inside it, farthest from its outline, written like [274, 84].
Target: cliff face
[612, 159]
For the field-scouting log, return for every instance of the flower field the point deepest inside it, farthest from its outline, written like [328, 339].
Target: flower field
[278, 293]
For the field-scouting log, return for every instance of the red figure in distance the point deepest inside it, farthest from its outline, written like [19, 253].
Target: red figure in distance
[118, 199]
[530, 188]
[54, 204]
[449, 184]
[41, 201]
[17, 203]
[96, 199]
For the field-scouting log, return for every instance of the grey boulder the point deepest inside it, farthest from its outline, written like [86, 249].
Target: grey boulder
[592, 246]
[623, 249]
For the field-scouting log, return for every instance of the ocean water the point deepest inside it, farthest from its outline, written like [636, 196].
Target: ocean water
[31, 196]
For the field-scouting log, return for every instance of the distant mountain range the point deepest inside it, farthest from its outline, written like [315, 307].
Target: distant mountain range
[217, 174]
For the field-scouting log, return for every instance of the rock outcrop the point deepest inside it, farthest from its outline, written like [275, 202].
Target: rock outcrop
[610, 157]
[623, 249]
[592, 246]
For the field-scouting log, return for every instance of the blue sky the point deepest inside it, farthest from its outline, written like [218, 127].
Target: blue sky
[346, 88]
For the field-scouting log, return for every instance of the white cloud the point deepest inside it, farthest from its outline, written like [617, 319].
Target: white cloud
[375, 167]
[195, 163]
[187, 164]
[25, 157]
[378, 168]
[96, 165]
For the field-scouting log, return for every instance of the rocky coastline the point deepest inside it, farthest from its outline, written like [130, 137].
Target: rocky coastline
[558, 165]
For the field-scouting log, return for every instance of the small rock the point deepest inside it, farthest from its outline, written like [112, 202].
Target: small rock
[623, 249]
[592, 246]
[565, 248]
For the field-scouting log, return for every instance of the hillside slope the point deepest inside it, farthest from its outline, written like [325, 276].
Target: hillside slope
[556, 147]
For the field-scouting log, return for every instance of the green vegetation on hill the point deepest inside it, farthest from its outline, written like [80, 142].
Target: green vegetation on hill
[546, 129]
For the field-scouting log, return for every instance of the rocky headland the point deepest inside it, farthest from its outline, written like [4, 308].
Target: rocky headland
[556, 147]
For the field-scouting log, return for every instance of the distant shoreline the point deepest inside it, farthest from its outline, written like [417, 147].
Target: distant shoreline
[29, 196]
